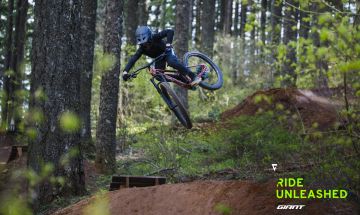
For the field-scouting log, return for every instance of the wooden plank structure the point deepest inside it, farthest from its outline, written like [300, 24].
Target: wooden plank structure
[125, 181]
[9, 153]
[10, 149]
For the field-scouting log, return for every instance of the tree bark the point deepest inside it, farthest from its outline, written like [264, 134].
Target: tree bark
[191, 17]
[222, 11]
[143, 15]
[183, 11]
[88, 22]
[163, 14]
[243, 16]
[14, 116]
[157, 14]
[304, 20]
[131, 20]
[55, 75]
[252, 34]
[109, 88]
[7, 64]
[264, 5]
[198, 24]
[276, 10]
[275, 34]
[208, 24]
[228, 17]
[263, 21]
[236, 19]
[290, 34]
[321, 65]
[357, 18]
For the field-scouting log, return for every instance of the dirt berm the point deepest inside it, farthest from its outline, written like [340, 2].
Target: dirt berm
[311, 108]
[205, 197]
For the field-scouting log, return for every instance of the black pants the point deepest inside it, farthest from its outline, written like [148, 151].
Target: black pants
[173, 61]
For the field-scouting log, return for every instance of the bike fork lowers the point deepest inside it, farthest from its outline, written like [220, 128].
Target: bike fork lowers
[171, 105]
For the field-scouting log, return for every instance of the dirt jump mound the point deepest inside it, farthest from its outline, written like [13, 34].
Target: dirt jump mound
[201, 197]
[304, 106]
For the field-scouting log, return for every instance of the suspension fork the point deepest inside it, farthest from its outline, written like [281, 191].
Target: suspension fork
[168, 101]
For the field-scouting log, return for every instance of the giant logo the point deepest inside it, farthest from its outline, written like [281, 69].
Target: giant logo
[290, 207]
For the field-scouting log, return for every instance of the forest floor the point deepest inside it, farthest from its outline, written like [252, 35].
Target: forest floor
[213, 193]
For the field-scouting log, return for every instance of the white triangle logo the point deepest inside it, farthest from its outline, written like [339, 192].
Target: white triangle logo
[274, 165]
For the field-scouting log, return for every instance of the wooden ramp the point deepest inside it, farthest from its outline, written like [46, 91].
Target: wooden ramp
[126, 181]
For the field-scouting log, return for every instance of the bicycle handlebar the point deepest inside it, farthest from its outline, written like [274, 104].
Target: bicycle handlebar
[137, 71]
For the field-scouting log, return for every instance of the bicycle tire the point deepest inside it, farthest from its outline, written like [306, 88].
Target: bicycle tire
[179, 110]
[204, 84]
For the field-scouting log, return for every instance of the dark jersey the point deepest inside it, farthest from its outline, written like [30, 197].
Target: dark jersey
[155, 48]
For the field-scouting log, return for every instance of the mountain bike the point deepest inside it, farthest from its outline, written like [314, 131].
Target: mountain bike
[200, 64]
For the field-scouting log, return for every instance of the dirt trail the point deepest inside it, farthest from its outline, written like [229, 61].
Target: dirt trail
[203, 197]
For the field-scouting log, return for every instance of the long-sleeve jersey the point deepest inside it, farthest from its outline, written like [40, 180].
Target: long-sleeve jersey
[156, 47]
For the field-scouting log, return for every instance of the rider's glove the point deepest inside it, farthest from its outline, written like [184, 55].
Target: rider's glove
[126, 76]
[168, 48]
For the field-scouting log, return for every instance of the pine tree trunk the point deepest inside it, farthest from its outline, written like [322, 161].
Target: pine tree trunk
[131, 20]
[304, 20]
[236, 20]
[290, 34]
[208, 24]
[191, 18]
[263, 21]
[276, 9]
[143, 15]
[88, 22]
[357, 18]
[7, 65]
[222, 14]
[157, 14]
[14, 85]
[243, 16]
[321, 65]
[55, 73]
[163, 14]
[183, 11]
[252, 34]
[264, 5]
[198, 18]
[109, 88]
[131, 7]
[228, 17]
[275, 34]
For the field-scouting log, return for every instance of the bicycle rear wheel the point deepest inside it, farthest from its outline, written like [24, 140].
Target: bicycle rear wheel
[214, 79]
[174, 103]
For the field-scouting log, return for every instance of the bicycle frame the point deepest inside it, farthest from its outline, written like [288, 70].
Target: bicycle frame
[169, 75]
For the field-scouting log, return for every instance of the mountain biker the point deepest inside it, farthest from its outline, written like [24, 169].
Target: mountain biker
[153, 45]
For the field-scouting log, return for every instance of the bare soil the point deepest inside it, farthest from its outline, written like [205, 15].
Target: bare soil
[308, 107]
[207, 197]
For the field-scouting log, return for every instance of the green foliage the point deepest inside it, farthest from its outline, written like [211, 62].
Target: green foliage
[222, 209]
[14, 205]
[69, 122]
[104, 62]
[99, 206]
[245, 142]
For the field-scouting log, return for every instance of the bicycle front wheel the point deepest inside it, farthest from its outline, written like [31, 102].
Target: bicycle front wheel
[174, 103]
[214, 77]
